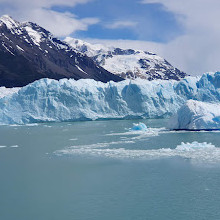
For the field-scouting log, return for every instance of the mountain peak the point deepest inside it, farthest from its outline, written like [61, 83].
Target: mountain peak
[87, 48]
[9, 21]
[29, 52]
[6, 17]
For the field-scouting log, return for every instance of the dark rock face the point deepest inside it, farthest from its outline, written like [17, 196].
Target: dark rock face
[28, 53]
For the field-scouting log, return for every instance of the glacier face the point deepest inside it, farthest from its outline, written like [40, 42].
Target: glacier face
[196, 115]
[8, 91]
[86, 99]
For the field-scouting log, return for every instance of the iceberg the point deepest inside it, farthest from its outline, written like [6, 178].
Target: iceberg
[194, 146]
[139, 127]
[196, 115]
[48, 100]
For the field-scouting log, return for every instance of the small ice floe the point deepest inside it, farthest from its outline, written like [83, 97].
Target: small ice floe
[14, 146]
[140, 131]
[3, 146]
[139, 127]
[194, 146]
[195, 152]
[14, 125]
[32, 124]
[73, 139]
[47, 126]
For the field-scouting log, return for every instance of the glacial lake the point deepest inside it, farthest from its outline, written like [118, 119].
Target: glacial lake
[102, 170]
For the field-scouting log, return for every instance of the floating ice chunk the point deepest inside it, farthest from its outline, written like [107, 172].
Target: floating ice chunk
[14, 146]
[139, 127]
[3, 146]
[194, 146]
[196, 153]
[195, 115]
[32, 125]
[73, 139]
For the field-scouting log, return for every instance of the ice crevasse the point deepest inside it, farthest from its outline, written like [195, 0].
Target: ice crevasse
[69, 100]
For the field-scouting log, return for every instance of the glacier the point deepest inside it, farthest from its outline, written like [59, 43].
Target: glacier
[8, 91]
[196, 115]
[48, 100]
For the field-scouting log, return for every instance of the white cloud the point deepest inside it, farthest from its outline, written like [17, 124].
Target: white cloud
[60, 24]
[121, 24]
[198, 50]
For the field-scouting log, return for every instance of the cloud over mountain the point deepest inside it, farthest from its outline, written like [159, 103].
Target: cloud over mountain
[59, 23]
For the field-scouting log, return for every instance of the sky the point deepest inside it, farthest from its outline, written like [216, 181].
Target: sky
[185, 32]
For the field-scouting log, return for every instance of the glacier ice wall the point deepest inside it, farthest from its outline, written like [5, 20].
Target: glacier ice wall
[69, 100]
[195, 115]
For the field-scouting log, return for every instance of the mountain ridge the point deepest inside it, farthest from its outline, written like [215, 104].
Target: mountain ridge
[128, 63]
[29, 52]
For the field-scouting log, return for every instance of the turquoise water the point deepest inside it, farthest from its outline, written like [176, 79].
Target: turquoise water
[102, 171]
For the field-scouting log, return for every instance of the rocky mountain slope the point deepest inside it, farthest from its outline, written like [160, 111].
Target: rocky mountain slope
[128, 64]
[28, 52]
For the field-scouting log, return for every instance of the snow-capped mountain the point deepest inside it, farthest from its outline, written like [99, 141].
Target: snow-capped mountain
[28, 52]
[128, 63]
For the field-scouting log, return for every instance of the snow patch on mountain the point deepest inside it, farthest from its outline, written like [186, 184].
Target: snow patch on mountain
[128, 64]
[35, 36]
[19, 48]
[9, 22]
[90, 50]
[81, 69]
[36, 33]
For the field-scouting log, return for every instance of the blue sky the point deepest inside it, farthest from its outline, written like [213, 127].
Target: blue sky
[149, 22]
